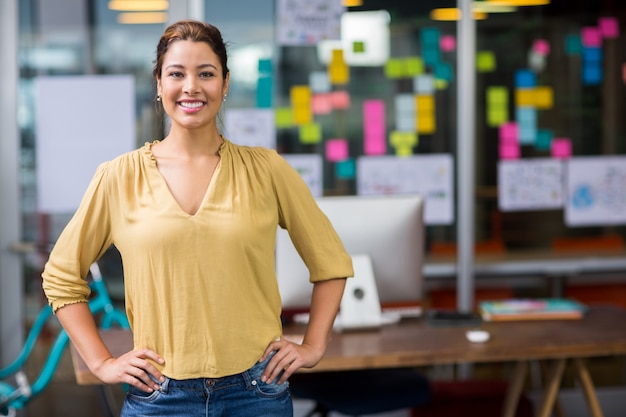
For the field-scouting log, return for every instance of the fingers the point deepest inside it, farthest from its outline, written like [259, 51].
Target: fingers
[287, 359]
[135, 368]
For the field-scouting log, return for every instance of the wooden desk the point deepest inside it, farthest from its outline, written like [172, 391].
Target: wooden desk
[413, 343]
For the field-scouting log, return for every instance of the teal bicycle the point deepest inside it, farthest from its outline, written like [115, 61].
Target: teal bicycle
[15, 396]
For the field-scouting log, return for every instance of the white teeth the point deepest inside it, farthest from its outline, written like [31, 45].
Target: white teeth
[191, 105]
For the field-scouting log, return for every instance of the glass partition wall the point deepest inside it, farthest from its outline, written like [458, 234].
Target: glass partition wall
[380, 111]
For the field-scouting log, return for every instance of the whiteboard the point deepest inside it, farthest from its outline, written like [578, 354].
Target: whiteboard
[310, 167]
[429, 175]
[251, 127]
[81, 121]
[596, 191]
[530, 184]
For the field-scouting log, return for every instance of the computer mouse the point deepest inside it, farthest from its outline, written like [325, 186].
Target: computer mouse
[477, 336]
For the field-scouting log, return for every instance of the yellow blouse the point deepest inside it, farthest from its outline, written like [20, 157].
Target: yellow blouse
[200, 289]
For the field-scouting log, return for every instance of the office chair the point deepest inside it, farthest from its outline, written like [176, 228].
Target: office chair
[361, 392]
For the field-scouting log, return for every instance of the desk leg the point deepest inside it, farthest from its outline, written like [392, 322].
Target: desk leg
[552, 388]
[515, 389]
[588, 388]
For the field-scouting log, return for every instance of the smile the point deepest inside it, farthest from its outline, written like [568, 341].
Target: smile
[191, 104]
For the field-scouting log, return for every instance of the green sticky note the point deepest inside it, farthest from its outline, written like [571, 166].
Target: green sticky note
[283, 117]
[345, 170]
[358, 47]
[394, 68]
[485, 61]
[310, 133]
[414, 66]
[497, 116]
[497, 106]
[399, 139]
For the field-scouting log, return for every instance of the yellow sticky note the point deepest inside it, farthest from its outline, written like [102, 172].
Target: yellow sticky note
[300, 96]
[338, 73]
[283, 117]
[544, 97]
[394, 68]
[310, 133]
[302, 115]
[426, 123]
[424, 103]
[485, 61]
[413, 66]
[337, 57]
[525, 97]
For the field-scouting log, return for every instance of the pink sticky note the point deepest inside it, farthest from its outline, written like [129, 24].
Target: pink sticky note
[337, 150]
[541, 47]
[374, 110]
[561, 148]
[340, 100]
[321, 104]
[509, 151]
[447, 43]
[609, 27]
[509, 133]
[591, 36]
[374, 145]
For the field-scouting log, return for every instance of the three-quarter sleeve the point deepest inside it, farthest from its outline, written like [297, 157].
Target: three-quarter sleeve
[312, 234]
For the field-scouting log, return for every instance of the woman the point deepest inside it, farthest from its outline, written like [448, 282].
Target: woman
[194, 218]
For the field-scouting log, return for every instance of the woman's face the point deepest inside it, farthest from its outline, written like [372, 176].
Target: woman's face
[192, 85]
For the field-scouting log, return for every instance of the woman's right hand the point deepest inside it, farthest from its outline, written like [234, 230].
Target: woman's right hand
[135, 368]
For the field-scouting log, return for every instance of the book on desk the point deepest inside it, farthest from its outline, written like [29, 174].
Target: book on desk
[517, 309]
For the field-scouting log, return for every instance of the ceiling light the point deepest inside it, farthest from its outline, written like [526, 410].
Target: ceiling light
[452, 14]
[139, 5]
[142, 18]
[352, 3]
[489, 7]
[518, 2]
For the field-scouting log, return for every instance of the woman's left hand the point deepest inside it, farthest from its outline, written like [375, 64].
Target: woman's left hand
[289, 357]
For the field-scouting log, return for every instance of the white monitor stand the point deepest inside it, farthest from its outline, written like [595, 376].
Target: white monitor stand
[360, 305]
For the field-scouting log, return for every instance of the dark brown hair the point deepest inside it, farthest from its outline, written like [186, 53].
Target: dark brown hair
[195, 31]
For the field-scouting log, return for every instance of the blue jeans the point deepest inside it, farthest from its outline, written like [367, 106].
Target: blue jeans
[240, 395]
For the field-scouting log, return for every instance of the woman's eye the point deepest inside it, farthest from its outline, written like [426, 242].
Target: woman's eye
[206, 74]
[176, 74]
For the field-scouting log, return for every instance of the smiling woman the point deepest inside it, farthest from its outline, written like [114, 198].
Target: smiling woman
[194, 217]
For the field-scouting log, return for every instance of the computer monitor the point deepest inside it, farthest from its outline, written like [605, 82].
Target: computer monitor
[390, 229]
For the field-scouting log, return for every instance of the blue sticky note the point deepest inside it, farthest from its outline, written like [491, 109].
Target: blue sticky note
[527, 134]
[431, 55]
[264, 92]
[345, 170]
[592, 74]
[525, 78]
[443, 71]
[573, 44]
[544, 139]
[265, 66]
[430, 37]
[592, 54]
[526, 115]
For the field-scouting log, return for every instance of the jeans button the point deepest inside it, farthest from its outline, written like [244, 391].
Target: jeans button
[210, 382]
